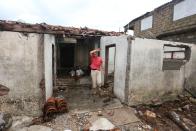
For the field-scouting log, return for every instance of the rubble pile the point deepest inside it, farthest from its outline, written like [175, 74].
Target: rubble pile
[176, 115]
[25, 123]
[81, 119]
[85, 123]
[107, 89]
[5, 121]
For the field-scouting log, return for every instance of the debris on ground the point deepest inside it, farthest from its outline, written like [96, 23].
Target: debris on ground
[38, 128]
[140, 113]
[102, 124]
[34, 128]
[156, 102]
[20, 122]
[178, 120]
[107, 99]
[150, 114]
[5, 121]
[110, 112]
[186, 107]
[85, 108]
[178, 115]
[188, 122]
[99, 113]
[146, 127]
[53, 106]
[81, 119]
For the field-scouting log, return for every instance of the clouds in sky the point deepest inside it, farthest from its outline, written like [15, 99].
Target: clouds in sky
[101, 14]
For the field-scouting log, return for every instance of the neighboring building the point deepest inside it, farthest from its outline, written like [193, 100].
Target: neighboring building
[32, 56]
[173, 21]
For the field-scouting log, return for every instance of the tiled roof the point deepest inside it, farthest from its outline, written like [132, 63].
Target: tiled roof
[44, 28]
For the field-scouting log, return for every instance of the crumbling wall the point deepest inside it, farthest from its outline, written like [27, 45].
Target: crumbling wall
[120, 62]
[190, 73]
[148, 82]
[21, 70]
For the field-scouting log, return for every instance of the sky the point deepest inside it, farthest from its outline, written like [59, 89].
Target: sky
[109, 15]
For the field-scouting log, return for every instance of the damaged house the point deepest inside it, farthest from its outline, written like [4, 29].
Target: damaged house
[36, 59]
[173, 21]
[33, 56]
[148, 70]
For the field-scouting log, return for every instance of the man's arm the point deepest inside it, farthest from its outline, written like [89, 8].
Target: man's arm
[94, 51]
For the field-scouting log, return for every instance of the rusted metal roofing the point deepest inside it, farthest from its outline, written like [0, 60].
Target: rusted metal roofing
[44, 28]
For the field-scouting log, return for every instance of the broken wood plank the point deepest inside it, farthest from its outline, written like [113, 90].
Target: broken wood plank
[176, 119]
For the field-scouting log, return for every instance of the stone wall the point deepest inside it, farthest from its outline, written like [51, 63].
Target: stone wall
[21, 70]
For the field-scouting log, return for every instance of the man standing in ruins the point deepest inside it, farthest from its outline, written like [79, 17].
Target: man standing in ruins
[96, 65]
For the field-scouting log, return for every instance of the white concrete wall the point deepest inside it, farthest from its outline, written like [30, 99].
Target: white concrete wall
[184, 8]
[21, 70]
[111, 60]
[120, 62]
[147, 79]
[49, 40]
[190, 71]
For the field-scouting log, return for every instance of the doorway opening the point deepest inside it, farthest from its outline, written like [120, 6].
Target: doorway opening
[67, 55]
[65, 58]
[110, 55]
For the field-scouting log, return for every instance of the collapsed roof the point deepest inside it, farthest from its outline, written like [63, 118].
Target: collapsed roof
[44, 28]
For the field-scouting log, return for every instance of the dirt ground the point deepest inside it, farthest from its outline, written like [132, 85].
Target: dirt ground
[123, 118]
[184, 106]
[84, 108]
